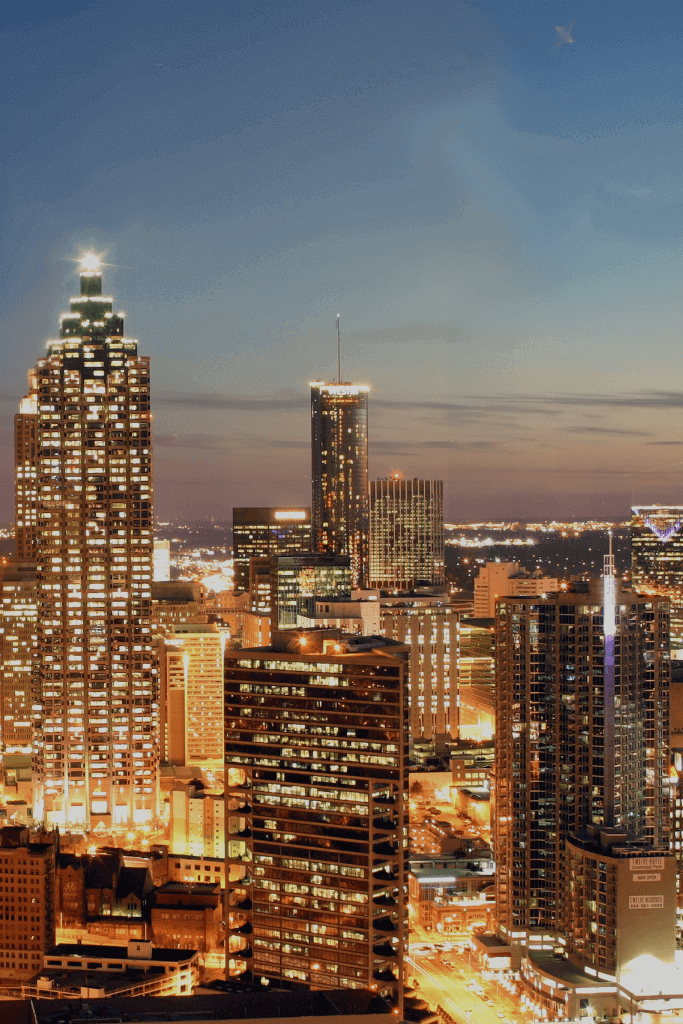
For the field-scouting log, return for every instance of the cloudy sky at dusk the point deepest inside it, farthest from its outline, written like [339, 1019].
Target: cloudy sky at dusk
[496, 213]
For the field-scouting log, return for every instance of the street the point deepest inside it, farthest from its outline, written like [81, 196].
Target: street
[443, 981]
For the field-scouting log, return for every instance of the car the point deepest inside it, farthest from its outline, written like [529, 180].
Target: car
[499, 1013]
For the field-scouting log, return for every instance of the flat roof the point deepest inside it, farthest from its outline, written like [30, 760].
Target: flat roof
[265, 1005]
[118, 952]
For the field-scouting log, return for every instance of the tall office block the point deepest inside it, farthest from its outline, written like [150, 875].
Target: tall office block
[339, 444]
[18, 639]
[96, 702]
[582, 713]
[406, 533]
[433, 691]
[191, 692]
[657, 558]
[317, 812]
[261, 532]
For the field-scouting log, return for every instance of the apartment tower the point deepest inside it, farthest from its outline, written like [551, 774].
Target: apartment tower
[339, 443]
[406, 533]
[95, 706]
[582, 712]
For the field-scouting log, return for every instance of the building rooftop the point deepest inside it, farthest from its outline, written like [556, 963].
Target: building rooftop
[86, 950]
[269, 1005]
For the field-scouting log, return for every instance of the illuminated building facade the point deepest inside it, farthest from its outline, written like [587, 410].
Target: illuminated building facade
[287, 587]
[26, 474]
[197, 825]
[27, 902]
[657, 558]
[18, 639]
[261, 532]
[476, 679]
[339, 446]
[96, 711]
[406, 533]
[505, 579]
[191, 691]
[316, 751]
[162, 561]
[433, 637]
[582, 727]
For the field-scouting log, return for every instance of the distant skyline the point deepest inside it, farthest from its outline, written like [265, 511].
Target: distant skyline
[494, 208]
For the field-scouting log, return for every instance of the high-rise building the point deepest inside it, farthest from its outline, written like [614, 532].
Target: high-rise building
[339, 444]
[191, 694]
[504, 579]
[317, 812]
[18, 639]
[432, 633]
[261, 532]
[26, 474]
[657, 558]
[582, 712]
[406, 533]
[95, 704]
[27, 901]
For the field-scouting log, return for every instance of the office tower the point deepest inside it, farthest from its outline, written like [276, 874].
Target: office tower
[432, 633]
[503, 579]
[27, 901]
[287, 587]
[162, 561]
[476, 679]
[339, 443]
[261, 532]
[657, 558]
[96, 702]
[406, 533]
[191, 694]
[582, 713]
[26, 474]
[317, 812]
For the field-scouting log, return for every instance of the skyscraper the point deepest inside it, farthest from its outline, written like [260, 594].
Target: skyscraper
[657, 558]
[316, 758]
[259, 532]
[95, 746]
[406, 533]
[339, 443]
[582, 713]
[25, 474]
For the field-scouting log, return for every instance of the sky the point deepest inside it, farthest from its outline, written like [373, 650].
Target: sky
[488, 193]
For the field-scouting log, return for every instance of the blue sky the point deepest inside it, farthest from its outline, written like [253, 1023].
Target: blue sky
[498, 219]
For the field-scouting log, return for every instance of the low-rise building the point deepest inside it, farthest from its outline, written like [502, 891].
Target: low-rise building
[188, 913]
[90, 971]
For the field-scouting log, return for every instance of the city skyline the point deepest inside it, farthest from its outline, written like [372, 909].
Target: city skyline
[494, 216]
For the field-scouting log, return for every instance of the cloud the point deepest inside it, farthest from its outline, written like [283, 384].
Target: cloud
[605, 431]
[243, 403]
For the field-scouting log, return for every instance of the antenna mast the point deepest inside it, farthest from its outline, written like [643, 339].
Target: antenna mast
[338, 351]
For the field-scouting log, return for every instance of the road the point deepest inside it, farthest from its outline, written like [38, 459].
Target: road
[443, 982]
